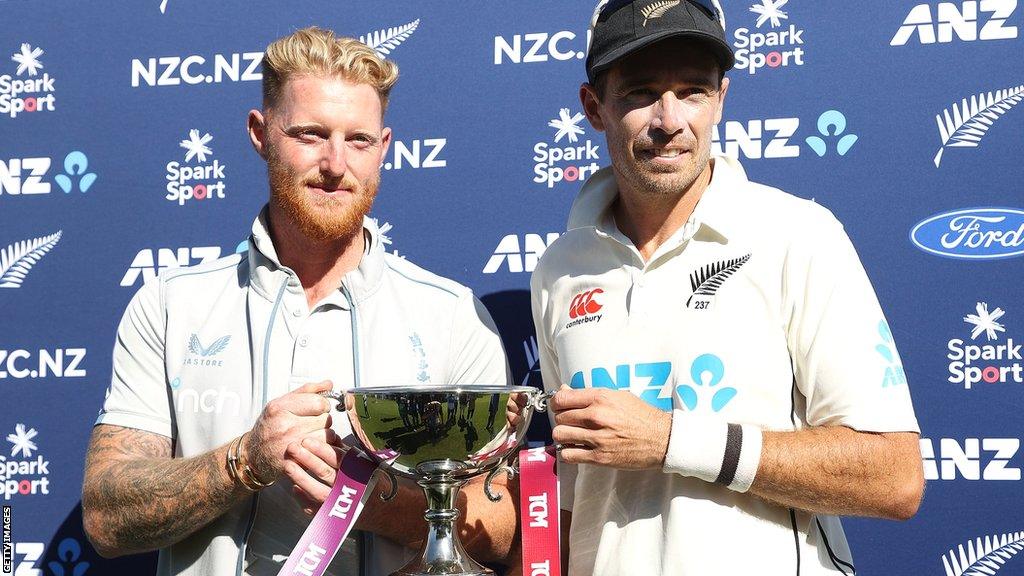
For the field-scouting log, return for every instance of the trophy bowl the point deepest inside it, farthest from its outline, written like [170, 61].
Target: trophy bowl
[442, 436]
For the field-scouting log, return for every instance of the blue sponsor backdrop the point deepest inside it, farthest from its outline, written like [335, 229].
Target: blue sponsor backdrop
[848, 103]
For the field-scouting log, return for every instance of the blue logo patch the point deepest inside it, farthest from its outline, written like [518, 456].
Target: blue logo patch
[706, 372]
[831, 126]
[973, 233]
[657, 390]
[894, 374]
[196, 347]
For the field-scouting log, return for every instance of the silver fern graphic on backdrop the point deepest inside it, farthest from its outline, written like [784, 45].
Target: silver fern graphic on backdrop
[964, 124]
[657, 10]
[18, 259]
[385, 41]
[983, 557]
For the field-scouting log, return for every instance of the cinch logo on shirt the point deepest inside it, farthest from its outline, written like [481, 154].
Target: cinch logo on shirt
[584, 308]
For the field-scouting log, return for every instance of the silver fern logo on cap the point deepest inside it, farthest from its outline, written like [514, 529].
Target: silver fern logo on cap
[657, 10]
[18, 259]
[385, 41]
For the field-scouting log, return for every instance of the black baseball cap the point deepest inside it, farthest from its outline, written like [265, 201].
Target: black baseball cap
[621, 27]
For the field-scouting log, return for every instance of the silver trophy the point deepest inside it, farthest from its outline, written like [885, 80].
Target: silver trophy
[441, 436]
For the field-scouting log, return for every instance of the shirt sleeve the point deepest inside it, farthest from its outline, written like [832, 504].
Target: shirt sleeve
[477, 354]
[138, 396]
[845, 361]
[550, 374]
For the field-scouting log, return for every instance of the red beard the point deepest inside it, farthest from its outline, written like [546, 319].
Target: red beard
[320, 218]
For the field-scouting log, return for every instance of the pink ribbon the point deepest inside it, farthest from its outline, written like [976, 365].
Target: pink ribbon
[539, 511]
[334, 520]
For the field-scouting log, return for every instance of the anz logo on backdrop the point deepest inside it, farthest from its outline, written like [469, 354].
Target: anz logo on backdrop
[150, 262]
[970, 458]
[31, 176]
[964, 21]
[780, 137]
[517, 256]
[238, 66]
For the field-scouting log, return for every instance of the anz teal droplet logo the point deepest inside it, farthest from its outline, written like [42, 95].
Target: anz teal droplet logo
[706, 373]
[894, 374]
[653, 383]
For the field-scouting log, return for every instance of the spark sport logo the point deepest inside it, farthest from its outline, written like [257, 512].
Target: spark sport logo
[27, 90]
[195, 179]
[780, 46]
[567, 158]
[994, 362]
[21, 474]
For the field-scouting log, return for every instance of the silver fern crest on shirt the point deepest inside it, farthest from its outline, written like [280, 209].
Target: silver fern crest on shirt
[657, 10]
[707, 280]
[196, 347]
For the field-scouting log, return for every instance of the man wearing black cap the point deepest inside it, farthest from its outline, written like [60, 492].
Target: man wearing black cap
[727, 381]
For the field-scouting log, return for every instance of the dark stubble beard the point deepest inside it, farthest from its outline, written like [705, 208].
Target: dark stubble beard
[320, 218]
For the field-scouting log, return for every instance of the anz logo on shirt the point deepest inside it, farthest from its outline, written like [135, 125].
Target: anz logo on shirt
[704, 391]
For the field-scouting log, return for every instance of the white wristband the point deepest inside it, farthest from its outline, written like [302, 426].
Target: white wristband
[713, 450]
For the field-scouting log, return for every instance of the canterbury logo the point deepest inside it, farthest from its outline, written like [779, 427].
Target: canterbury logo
[584, 303]
[707, 280]
[657, 10]
[196, 347]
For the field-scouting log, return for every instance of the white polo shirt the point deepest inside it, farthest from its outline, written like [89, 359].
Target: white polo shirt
[757, 311]
[201, 350]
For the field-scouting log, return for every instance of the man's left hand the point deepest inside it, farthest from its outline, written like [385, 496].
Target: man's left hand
[312, 465]
[609, 428]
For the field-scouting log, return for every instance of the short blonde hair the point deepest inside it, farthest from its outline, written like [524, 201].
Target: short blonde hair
[318, 52]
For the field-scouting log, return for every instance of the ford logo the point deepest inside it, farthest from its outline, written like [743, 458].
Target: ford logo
[974, 233]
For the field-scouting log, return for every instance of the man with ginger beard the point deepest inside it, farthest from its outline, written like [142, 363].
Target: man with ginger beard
[232, 355]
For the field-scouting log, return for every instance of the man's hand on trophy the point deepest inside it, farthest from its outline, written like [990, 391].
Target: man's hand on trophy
[609, 428]
[288, 420]
[312, 465]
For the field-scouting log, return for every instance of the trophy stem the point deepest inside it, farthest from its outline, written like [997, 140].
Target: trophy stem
[442, 552]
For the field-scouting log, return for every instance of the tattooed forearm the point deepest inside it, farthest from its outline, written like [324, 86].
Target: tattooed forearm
[136, 498]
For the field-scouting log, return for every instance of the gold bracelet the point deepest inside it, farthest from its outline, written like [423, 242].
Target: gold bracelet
[246, 474]
[234, 448]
